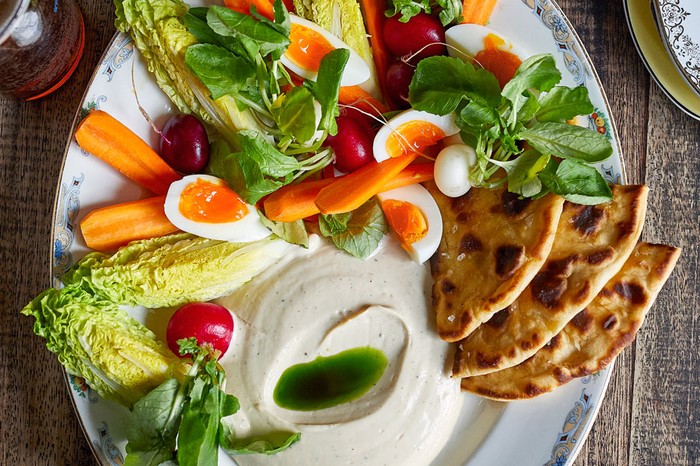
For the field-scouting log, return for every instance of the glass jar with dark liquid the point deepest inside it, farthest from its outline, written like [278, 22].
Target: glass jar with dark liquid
[41, 42]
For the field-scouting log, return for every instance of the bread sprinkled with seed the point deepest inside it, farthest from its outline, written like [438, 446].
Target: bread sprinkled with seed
[594, 337]
[493, 244]
[591, 245]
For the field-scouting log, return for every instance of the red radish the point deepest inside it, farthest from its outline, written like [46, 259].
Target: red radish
[399, 76]
[421, 30]
[184, 144]
[352, 145]
[207, 322]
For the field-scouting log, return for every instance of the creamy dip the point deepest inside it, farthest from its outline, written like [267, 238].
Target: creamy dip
[322, 302]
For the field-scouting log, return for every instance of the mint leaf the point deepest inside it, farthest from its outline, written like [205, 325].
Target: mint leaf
[221, 71]
[440, 84]
[576, 182]
[567, 141]
[364, 229]
[564, 103]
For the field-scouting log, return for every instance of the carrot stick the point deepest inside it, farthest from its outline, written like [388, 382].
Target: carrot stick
[415, 173]
[108, 228]
[477, 11]
[351, 191]
[373, 12]
[106, 138]
[296, 201]
[358, 97]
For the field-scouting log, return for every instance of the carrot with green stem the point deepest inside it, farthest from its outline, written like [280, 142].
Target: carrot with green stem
[106, 138]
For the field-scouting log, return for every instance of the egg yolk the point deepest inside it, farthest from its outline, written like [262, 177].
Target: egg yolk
[307, 47]
[407, 221]
[501, 63]
[413, 136]
[207, 202]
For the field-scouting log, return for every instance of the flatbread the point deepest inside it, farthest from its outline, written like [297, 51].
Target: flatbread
[594, 337]
[591, 245]
[493, 244]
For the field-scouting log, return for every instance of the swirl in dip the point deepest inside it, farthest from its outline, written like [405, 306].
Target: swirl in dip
[319, 303]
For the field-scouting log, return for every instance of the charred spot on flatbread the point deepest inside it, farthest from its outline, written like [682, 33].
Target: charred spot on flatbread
[591, 245]
[493, 244]
[593, 337]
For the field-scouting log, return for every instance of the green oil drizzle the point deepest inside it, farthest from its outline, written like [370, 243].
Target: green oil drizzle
[329, 381]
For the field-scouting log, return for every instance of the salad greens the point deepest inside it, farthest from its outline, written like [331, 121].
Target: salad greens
[449, 11]
[224, 66]
[181, 420]
[521, 129]
[173, 270]
[358, 232]
[93, 337]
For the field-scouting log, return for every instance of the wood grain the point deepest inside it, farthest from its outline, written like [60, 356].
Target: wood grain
[651, 414]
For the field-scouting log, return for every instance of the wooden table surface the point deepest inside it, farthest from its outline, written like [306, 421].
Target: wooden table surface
[651, 414]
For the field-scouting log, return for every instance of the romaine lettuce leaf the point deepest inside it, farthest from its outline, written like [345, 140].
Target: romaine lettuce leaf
[174, 269]
[95, 339]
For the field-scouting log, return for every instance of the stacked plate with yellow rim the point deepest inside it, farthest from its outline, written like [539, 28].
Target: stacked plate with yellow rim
[667, 36]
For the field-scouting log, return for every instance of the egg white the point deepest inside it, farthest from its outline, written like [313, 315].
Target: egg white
[466, 40]
[247, 229]
[421, 250]
[446, 123]
[356, 70]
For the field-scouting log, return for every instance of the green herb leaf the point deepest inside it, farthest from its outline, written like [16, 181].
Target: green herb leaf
[365, 227]
[291, 232]
[564, 103]
[568, 141]
[333, 224]
[196, 23]
[576, 182]
[327, 87]
[270, 444]
[295, 114]
[538, 72]
[258, 170]
[440, 84]
[221, 71]
[254, 33]
[450, 11]
[523, 172]
[153, 425]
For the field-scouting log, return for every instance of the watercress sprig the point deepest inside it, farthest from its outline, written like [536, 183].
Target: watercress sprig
[449, 11]
[181, 420]
[520, 130]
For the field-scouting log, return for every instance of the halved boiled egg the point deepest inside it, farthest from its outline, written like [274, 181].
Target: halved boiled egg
[415, 219]
[205, 206]
[411, 131]
[490, 49]
[310, 43]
